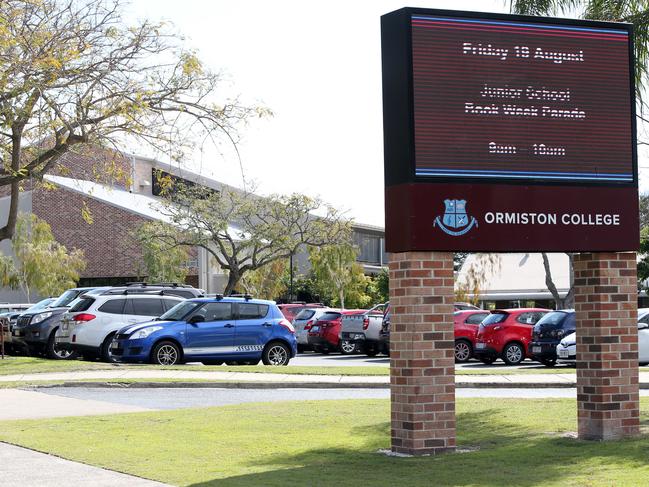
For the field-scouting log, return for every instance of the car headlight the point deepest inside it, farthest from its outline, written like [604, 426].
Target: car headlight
[145, 332]
[40, 317]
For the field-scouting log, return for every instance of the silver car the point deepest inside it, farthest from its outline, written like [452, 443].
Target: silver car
[567, 348]
[303, 322]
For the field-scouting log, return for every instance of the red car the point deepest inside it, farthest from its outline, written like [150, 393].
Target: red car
[466, 328]
[324, 333]
[291, 310]
[505, 334]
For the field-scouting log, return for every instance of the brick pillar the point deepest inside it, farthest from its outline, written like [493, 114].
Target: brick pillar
[607, 345]
[422, 368]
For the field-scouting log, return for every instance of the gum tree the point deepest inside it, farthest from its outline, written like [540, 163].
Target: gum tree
[243, 232]
[72, 74]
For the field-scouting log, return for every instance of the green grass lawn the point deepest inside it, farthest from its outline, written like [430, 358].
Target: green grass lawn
[33, 365]
[512, 442]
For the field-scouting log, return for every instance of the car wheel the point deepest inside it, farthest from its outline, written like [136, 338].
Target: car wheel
[276, 353]
[371, 352]
[325, 351]
[488, 360]
[513, 354]
[54, 352]
[347, 347]
[104, 352]
[549, 362]
[463, 351]
[166, 353]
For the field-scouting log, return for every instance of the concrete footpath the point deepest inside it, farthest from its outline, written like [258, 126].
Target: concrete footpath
[186, 378]
[22, 467]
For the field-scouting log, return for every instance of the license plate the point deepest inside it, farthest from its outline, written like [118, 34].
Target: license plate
[64, 326]
[536, 349]
[315, 328]
[563, 353]
[480, 345]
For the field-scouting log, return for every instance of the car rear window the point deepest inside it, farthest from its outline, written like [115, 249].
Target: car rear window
[476, 318]
[494, 318]
[250, 311]
[82, 304]
[113, 306]
[329, 316]
[145, 307]
[305, 314]
[553, 318]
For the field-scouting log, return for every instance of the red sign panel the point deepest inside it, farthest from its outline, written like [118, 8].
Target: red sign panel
[500, 129]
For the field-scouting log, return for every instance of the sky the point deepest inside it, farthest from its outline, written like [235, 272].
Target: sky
[317, 66]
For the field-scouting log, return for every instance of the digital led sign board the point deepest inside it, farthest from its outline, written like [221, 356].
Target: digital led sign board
[508, 133]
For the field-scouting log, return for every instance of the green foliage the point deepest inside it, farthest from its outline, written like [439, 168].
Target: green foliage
[378, 287]
[338, 276]
[41, 263]
[163, 261]
[267, 282]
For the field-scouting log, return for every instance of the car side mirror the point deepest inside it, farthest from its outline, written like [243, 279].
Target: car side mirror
[642, 326]
[196, 319]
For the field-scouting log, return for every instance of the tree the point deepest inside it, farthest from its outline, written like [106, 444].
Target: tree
[41, 263]
[338, 275]
[643, 204]
[73, 73]
[475, 273]
[163, 262]
[244, 232]
[267, 282]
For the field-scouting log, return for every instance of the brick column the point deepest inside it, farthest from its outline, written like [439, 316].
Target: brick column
[422, 368]
[607, 345]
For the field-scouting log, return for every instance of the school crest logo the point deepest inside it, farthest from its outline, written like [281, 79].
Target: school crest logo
[455, 221]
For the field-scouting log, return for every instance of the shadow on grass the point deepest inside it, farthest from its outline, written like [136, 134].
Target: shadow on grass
[508, 454]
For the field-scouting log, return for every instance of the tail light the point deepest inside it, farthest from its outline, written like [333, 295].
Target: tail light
[287, 324]
[366, 323]
[83, 318]
[308, 325]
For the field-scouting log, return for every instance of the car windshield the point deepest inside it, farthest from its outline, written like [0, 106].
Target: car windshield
[494, 318]
[179, 311]
[329, 316]
[40, 305]
[65, 299]
[554, 318]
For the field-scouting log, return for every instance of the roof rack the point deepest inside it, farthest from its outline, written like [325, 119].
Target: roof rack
[246, 296]
[157, 284]
[132, 291]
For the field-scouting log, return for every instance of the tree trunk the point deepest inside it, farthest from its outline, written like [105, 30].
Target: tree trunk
[233, 281]
[550, 283]
[341, 296]
[569, 301]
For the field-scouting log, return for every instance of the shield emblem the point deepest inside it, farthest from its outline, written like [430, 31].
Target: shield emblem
[455, 214]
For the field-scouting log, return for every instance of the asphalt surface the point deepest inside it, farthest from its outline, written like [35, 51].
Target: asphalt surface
[337, 359]
[168, 398]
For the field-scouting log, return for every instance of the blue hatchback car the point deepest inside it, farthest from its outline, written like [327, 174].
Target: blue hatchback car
[212, 331]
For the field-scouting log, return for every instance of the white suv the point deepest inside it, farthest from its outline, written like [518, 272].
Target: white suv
[90, 324]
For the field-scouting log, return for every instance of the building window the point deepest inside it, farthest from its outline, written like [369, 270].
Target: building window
[369, 248]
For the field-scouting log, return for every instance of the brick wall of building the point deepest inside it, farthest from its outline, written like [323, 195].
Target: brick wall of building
[607, 345]
[422, 365]
[108, 247]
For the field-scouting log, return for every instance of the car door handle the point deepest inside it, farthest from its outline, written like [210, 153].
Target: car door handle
[228, 326]
[267, 324]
